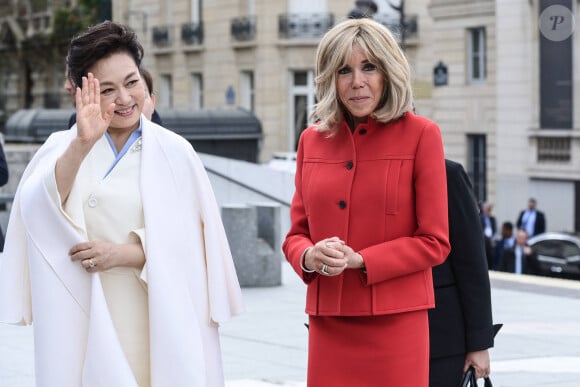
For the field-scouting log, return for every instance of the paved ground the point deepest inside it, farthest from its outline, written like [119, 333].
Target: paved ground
[539, 344]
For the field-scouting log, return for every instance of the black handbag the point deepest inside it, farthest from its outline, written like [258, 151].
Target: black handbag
[469, 379]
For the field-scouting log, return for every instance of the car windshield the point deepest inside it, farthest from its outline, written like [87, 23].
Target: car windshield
[557, 248]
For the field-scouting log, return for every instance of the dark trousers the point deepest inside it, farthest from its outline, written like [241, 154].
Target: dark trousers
[446, 371]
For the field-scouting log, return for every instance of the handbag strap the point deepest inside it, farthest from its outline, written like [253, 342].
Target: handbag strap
[469, 379]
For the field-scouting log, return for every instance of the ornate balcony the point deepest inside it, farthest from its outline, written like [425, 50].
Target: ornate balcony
[243, 29]
[410, 28]
[162, 36]
[192, 33]
[554, 149]
[555, 154]
[304, 26]
[38, 23]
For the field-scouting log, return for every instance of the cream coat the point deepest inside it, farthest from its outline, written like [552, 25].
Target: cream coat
[191, 278]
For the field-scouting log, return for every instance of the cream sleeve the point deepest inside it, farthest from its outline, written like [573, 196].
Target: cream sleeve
[140, 234]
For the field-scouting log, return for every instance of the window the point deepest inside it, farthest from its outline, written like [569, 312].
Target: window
[307, 6]
[247, 90]
[168, 11]
[251, 7]
[196, 91]
[476, 55]
[165, 99]
[476, 164]
[195, 9]
[302, 100]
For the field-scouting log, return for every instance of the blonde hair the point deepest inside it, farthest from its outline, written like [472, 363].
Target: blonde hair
[381, 49]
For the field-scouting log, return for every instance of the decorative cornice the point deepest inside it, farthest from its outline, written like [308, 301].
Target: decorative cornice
[461, 10]
[554, 133]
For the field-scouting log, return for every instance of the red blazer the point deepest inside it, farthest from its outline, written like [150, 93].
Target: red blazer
[381, 189]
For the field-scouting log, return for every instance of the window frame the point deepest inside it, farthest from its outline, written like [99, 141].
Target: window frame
[196, 79]
[247, 90]
[477, 55]
[477, 164]
[308, 91]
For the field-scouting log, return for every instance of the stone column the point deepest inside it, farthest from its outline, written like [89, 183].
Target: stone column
[253, 232]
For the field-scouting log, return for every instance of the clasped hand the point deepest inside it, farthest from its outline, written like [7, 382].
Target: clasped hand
[100, 256]
[335, 254]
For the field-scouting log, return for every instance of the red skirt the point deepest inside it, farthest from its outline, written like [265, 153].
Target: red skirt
[369, 351]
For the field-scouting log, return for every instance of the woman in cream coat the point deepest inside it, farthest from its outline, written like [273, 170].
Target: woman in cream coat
[115, 243]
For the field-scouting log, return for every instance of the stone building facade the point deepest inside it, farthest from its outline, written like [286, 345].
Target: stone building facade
[252, 54]
[482, 70]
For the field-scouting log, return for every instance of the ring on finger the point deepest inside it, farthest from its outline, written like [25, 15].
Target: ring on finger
[325, 269]
[92, 264]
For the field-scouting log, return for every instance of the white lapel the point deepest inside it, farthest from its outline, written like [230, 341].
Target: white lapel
[53, 236]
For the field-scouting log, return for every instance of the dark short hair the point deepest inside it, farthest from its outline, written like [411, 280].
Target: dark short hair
[97, 42]
[508, 224]
[146, 75]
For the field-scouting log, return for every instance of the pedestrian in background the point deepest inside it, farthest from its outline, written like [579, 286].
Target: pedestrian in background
[460, 326]
[532, 220]
[116, 249]
[489, 227]
[150, 98]
[519, 258]
[505, 241]
[369, 215]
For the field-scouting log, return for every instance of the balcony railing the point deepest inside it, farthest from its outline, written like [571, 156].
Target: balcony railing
[554, 154]
[300, 26]
[410, 28]
[162, 36]
[36, 23]
[192, 33]
[243, 29]
[554, 149]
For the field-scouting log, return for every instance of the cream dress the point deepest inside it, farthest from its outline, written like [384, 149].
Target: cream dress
[112, 211]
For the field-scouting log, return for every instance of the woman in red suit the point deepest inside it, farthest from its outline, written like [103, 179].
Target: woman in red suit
[369, 215]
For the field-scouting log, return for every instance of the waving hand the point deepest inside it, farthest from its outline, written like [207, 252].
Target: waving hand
[92, 122]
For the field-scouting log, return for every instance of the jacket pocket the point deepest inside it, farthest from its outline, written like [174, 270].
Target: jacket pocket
[393, 174]
[309, 172]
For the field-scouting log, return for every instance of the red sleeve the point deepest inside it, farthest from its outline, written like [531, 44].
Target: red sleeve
[298, 238]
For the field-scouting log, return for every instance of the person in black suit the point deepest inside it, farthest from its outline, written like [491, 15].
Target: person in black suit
[520, 258]
[489, 227]
[460, 326]
[506, 241]
[532, 220]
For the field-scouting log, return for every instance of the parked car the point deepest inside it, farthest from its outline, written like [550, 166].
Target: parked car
[558, 254]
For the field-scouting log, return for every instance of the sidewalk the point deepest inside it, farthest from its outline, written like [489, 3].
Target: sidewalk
[539, 344]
